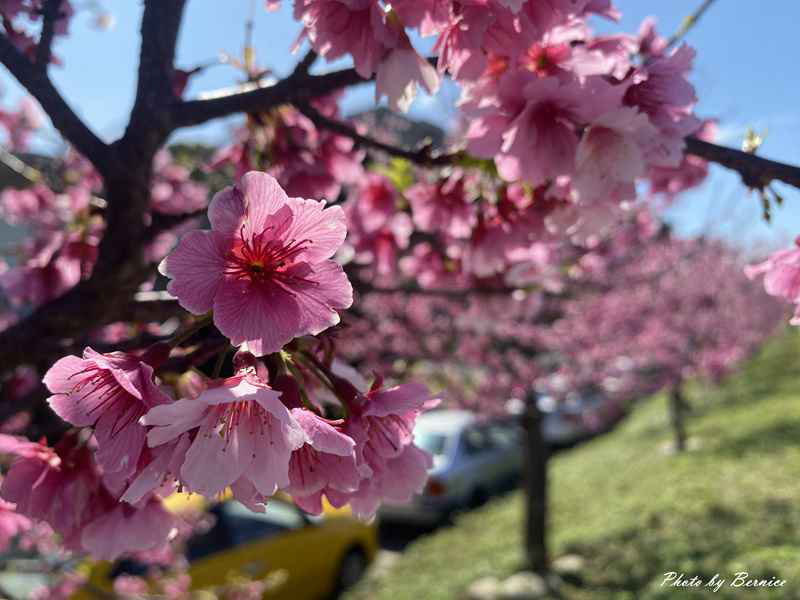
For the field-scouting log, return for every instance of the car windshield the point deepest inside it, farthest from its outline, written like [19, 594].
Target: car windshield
[432, 442]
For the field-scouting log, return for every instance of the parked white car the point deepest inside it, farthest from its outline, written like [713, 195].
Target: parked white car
[472, 459]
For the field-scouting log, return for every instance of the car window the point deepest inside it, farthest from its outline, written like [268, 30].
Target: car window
[246, 525]
[502, 436]
[434, 443]
[475, 440]
[232, 524]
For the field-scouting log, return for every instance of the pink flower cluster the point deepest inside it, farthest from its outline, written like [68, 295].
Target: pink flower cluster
[63, 249]
[17, 15]
[64, 487]
[781, 276]
[307, 161]
[173, 192]
[242, 433]
[265, 269]
[20, 124]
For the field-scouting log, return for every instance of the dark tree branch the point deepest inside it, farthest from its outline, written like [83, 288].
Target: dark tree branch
[756, 172]
[304, 65]
[161, 22]
[161, 222]
[64, 118]
[298, 87]
[422, 156]
[128, 188]
[151, 306]
[51, 12]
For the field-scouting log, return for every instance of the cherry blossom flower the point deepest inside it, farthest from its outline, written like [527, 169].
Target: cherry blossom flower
[109, 392]
[327, 461]
[400, 73]
[124, 529]
[264, 267]
[244, 437]
[173, 192]
[661, 89]
[382, 421]
[63, 486]
[355, 27]
[781, 276]
[612, 152]
[399, 479]
[443, 207]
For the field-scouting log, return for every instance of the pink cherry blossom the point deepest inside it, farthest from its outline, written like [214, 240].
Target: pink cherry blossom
[430, 16]
[443, 207]
[612, 152]
[398, 481]
[377, 232]
[327, 461]
[243, 437]
[109, 392]
[661, 89]
[125, 529]
[400, 73]
[382, 421]
[781, 276]
[173, 192]
[264, 267]
[52, 264]
[459, 45]
[63, 486]
[355, 27]
[535, 114]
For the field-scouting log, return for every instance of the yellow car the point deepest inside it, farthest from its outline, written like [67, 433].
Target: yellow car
[297, 556]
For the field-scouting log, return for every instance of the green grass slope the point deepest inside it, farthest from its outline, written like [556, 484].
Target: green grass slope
[634, 512]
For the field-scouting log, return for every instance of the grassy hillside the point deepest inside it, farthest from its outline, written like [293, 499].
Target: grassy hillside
[634, 512]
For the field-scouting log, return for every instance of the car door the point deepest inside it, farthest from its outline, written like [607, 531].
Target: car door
[269, 547]
[506, 439]
[478, 462]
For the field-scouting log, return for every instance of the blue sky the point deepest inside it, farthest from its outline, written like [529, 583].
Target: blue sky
[745, 75]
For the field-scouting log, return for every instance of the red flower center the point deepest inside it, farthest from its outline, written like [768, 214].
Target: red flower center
[262, 260]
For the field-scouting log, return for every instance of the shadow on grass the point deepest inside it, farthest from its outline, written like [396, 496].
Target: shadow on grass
[773, 437]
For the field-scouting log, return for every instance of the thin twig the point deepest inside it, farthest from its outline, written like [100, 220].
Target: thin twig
[422, 156]
[689, 22]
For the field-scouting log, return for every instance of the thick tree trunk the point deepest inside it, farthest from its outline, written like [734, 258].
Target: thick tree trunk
[677, 409]
[535, 482]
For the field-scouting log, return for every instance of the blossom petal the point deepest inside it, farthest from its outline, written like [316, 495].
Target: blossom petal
[399, 400]
[266, 317]
[214, 461]
[171, 420]
[196, 267]
[270, 469]
[325, 228]
[60, 380]
[327, 289]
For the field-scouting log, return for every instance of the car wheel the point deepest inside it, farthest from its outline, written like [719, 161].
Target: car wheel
[352, 568]
[478, 498]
